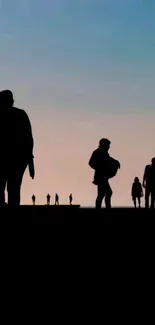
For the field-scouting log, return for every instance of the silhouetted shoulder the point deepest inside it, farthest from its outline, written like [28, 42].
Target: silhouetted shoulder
[23, 119]
[21, 113]
[95, 152]
[147, 168]
[24, 131]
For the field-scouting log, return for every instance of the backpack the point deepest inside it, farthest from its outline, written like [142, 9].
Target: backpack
[110, 170]
[113, 167]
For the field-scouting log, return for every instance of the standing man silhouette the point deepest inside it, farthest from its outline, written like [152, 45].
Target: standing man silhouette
[56, 199]
[105, 167]
[16, 146]
[70, 199]
[48, 197]
[149, 184]
[33, 199]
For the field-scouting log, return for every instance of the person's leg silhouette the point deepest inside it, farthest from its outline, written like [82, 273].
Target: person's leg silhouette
[108, 196]
[3, 180]
[134, 202]
[2, 190]
[14, 185]
[147, 196]
[101, 190]
[152, 199]
[139, 202]
[104, 190]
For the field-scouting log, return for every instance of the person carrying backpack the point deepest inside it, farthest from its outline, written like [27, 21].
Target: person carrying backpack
[105, 168]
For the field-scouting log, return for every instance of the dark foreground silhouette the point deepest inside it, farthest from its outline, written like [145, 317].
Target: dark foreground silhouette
[16, 148]
[76, 215]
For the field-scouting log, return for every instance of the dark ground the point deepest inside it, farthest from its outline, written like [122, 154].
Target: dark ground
[75, 215]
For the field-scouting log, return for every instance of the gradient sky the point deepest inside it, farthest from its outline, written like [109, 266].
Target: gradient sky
[83, 70]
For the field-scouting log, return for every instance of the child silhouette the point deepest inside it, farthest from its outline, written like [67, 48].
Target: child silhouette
[136, 192]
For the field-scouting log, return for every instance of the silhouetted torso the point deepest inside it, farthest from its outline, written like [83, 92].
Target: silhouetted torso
[104, 165]
[151, 177]
[137, 190]
[15, 136]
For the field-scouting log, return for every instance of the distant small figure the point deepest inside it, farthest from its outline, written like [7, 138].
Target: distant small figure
[48, 199]
[56, 199]
[136, 192]
[70, 199]
[149, 184]
[33, 199]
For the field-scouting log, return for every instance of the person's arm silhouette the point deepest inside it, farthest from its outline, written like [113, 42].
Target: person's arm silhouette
[31, 169]
[29, 143]
[28, 136]
[141, 190]
[145, 176]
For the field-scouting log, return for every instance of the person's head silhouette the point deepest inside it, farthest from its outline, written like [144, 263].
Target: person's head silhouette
[153, 161]
[104, 144]
[6, 98]
[136, 180]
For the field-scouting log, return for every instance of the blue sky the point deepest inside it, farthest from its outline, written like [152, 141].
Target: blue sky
[81, 51]
[73, 60]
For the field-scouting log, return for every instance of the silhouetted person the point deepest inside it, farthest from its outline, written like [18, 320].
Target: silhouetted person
[48, 199]
[56, 199]
[149, 183]
[16, 148]
[33, 199]
[105, 168]
[136, 192]
[70, 199]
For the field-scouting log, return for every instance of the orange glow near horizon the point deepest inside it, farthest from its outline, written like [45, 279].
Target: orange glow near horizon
[63, 145]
